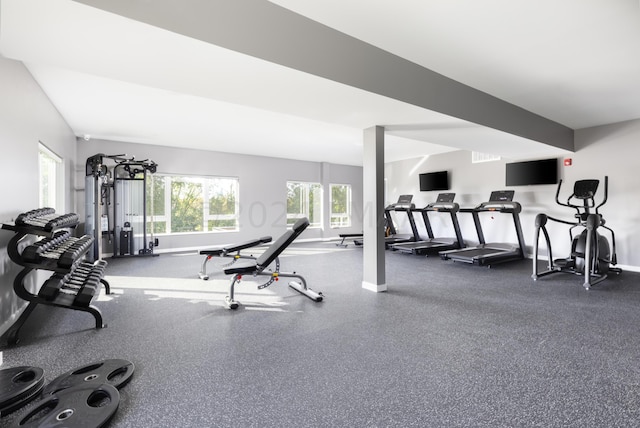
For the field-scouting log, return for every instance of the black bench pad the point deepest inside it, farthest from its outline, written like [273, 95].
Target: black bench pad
[271, 253]
[236, 247]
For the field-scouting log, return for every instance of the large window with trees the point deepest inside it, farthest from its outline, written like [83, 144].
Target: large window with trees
[340, 205]
[304, 200]
[184, 204]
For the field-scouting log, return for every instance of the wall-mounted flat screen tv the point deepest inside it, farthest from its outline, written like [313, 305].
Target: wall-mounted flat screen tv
[543, 171]
[434, 181]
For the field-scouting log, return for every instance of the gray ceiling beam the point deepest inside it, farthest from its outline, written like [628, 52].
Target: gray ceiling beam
[267, 31]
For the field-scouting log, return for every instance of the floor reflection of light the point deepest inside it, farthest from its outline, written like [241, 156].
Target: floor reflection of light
[257, 308]
[212, 291]
[291, 251]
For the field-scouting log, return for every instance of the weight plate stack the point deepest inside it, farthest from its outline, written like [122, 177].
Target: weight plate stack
[84, 406]
[114, 372]
[18, 386]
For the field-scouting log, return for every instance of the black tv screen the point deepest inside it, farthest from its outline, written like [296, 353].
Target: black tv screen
[434, 181]
[532, 172]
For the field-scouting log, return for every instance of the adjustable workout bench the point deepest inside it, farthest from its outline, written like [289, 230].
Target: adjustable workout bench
[353, 236]
[258, 266]
[228, 251]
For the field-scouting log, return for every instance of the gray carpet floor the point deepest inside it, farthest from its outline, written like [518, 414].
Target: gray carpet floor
[448, 345]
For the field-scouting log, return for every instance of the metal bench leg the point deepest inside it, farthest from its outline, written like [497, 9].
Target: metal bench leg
[229, 300]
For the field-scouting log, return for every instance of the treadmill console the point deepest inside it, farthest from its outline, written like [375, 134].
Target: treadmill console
[444, 202]
[404, 203]
[500, 200]
[502, 196]
[445, 197]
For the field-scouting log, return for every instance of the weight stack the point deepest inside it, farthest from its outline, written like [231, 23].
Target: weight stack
[126, 242]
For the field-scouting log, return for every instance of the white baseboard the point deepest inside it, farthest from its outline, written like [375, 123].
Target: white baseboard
[629, 268]
[377, 288]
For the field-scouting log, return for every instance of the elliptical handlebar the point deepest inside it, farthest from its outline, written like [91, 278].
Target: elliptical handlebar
[606, 192]
[568, 204]
[558, 196]
[588, 199]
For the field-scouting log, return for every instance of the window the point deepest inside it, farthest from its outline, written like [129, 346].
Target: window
[340, 205]
[304, 200]
[51, 179]
[478, 157]
[182, 204]
[221, 204]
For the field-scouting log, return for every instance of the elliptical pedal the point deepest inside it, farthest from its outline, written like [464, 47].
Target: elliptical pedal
[565, 263]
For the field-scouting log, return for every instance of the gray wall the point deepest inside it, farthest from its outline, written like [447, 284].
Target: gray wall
[262, 188]
[614, 149]
[26, 117]
[610, 150]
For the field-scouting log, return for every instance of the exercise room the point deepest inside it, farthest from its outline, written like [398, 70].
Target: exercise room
[277, 213]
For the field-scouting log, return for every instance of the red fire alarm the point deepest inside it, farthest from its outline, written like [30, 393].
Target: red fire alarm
[567, 162]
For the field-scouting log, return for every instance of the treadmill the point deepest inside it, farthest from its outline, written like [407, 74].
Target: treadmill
[404, 204]
[444, 203]
[488, 254]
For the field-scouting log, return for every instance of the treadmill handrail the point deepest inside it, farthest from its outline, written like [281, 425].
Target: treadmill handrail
[401, 207]
[606, 193]
[441, 206]
[507, 207]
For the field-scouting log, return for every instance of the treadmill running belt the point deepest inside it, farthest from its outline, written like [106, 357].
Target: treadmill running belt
[475, 252]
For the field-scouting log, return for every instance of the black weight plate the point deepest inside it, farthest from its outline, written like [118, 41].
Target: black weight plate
[86, 406]
[23, 400]
[113, 372]
[19, 382]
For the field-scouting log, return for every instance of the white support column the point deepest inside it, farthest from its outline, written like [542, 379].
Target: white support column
[373, 277]
[325, 181]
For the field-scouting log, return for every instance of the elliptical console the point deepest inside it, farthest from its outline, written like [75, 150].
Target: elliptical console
[591, 255]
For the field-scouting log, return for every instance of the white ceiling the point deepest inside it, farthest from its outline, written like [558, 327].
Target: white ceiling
[576, 62]
[572, 61]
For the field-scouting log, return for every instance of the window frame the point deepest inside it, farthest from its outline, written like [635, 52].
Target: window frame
[305, 202]
[55, 192]
[348, 204]
[480, 157]
[205, 183]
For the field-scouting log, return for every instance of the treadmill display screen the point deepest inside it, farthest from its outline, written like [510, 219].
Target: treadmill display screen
[501, 196]
[446, 197]
[404, 199]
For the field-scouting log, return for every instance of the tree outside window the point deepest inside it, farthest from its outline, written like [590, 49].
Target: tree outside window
[187, 213]
[222, 204]
[183, 204]
[340, 205]
[304, 200]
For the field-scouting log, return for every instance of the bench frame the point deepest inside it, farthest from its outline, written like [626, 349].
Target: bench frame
[258, 267]
[232, 251]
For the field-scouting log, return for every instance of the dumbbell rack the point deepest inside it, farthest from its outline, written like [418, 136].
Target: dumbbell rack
[74, 282]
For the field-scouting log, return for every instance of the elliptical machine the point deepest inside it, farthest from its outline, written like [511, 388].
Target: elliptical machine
[590, 255]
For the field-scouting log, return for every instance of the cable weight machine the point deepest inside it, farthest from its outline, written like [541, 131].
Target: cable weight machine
[116, 205]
